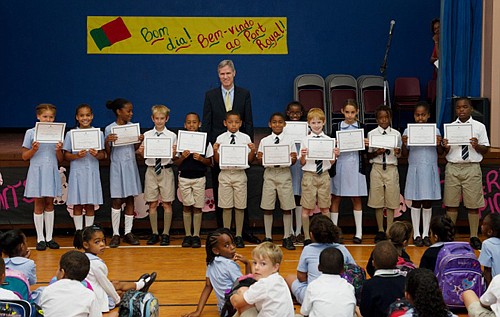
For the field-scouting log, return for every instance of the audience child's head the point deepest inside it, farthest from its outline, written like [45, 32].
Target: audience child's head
[385, 255]
[192, 121]
[323, 230]
[122, 109]
[46, 112]
[422, 112]
[232, 121]
[423, 292]
[399, 234]
[383, 114]
[266, 258]
[84, 116]
[13, 243]
[73, 265]
[331, 261]
[442, 228]
[491, 225]
[463, 108]
[295, 111]
[220, 243]
[160, 115]
[277, 122]
[350, 110]
[91, 239]
[316, 119]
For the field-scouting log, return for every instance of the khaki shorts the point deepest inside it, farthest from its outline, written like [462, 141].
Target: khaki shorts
[315, 188]
[476, 310]
[163, 184]
[384, 187]
[232, 189]
[192, 191]
[277, 181]
[463, 180]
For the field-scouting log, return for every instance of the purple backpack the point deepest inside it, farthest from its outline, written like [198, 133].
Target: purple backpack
[457, 270]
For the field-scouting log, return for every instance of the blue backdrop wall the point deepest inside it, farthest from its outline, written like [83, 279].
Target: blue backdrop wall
[43, 54]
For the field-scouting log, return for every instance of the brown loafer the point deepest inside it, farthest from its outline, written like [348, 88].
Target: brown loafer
[115, 241]
[131, 239]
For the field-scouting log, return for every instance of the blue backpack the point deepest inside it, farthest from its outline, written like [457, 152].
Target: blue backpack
[138, 304]
[17, 282]
[457, 270]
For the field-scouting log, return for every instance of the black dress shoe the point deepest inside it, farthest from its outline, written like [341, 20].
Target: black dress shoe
[115, 241]
[307, 242]
[427, 241]
[288, 243]
[380, 236]
[41, 246]
[187, 242]
[418, 242]
[52, 244]
[155, 238]
[250, 238]
[196, 242]
[238, 241]
[165, 239]
[357, 240]
[151, 280]
[475, 243]
[267, 240]
[131, 239]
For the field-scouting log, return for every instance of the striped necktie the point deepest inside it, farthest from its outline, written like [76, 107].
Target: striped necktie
[319, 163]
[276, 140]
[465, 152]
[233, 141]
[384, 159]
[158, 162]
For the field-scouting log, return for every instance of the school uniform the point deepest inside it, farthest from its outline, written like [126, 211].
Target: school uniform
[429, 257]
[6, 295]
[380, 291]
[233, 179]
[23, 265]
[422, 179]
[105, 292]
[222, 273]
[43, 179]
[490, 255]
[124, 179]
[163, 183]
[384, 177]
[84, 184]
[297, 173]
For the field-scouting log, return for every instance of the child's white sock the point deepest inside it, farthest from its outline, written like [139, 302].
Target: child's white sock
[335, 217]
[268, 225]
[78, 220]
[426, 221]
[129, 222]
[48, 217]
[115, 221]
[358, 220]
[38, 220]
[415, 219]
[287, 223]
[89, 221]
[298, 220]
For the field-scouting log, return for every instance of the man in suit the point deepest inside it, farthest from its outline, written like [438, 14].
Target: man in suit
[217, 102]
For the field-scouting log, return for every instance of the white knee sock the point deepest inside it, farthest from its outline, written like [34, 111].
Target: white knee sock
[358, 220]
[38, 220]
[415, 219]
[48, 217]
[426, 221]
[115, 220]
[78, 220]
[89, 221]
[129, 222]
[335, 217]
[268, 225]
[287, 222]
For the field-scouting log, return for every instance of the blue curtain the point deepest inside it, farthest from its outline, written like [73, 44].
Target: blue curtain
[460, 53]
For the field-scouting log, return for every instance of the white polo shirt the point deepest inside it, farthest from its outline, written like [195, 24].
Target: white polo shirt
[283, 140]
[478, 131]
[391, 158]
[163, 134]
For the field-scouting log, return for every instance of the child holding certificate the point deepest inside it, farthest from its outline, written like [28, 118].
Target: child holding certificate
[84, 185]
[159, 178]
[192, 169]
[463, 176]
[43, 182]
[277, 177]
[232, 178]
[422, 180]
[316, 180]
[124, 179]
[346, 182]
[384, 177]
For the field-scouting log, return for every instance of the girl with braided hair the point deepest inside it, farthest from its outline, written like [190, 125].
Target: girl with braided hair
[442, 230]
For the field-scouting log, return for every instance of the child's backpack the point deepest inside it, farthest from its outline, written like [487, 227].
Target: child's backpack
[19, 308]
[457, 270]
[17, 282]
[356, 276]
[242, 281]
[138, 304]
[405, 266]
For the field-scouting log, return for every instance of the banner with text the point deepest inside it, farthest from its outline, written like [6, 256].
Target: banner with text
[186, 35]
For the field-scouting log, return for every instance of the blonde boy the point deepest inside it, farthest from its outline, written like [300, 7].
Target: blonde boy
[269, 296]
[159, 179]
[232, 179]
[316, 180]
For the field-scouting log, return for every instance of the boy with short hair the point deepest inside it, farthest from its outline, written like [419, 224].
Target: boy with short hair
[386, 286]
[68, 297]
[192, 169]
[159, 177]
[316, 180]
[232, 179]
[269, 296]
[463, 176]
[5, 293]
[384, 177]
[329, 294]
[278, 179]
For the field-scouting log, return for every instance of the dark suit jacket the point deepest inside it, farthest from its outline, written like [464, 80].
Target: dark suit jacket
[214, 112]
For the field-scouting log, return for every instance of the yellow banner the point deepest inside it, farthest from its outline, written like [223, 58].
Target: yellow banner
[186, 35]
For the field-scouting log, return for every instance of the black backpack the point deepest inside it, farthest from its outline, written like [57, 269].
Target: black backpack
[243, 281]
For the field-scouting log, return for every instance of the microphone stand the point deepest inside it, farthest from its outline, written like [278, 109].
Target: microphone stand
[383, 68]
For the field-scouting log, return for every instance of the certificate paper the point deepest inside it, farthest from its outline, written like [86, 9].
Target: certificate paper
[231, 155]
[422, 134]
[127, 134]
[194, 142]
[383, 141]
[276, 155]
[320, 148]
[85, 139]
[157, 147]
[49, 132]
[458, 134]
[351, 140]
[296, 130]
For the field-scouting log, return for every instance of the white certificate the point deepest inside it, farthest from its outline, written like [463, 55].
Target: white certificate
[458, 134]
[422, 134]
[320, 148]
[85, 139]
[351, 140]
[296, 130]
[277, 154]
[127, 134]
[387, 141]
[49, 132]
[157, 147]
[231, 155]
[194, 142]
